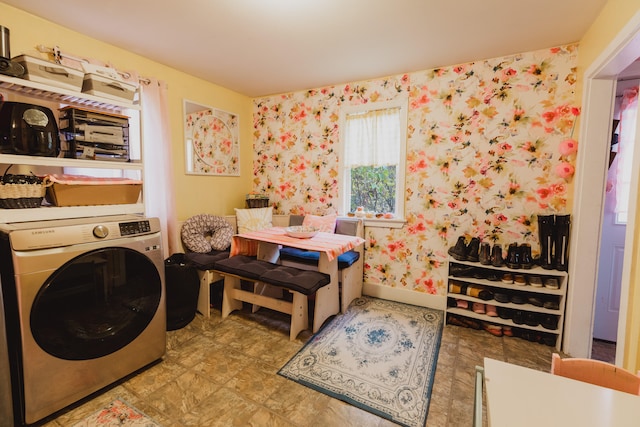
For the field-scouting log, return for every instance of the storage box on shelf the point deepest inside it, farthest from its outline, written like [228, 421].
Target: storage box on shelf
[531, 308]
[38, 93]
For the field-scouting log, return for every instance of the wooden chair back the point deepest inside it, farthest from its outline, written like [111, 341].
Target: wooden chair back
[596, 372]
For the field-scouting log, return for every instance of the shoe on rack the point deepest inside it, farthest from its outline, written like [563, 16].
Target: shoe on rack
[518, 299]
[505, 313]
[478, 308]
[479, 292]
[472, 250]
[549, 339]
[519, 280]
[526, 260]
[462, 303]
[535, 281]
[518, 317]
[531, 319]
[513, 256]
[502, 297]
[534, 300]
[551, 283]
[507, 278]
[492, 276]
[549, 321]
[507, 331]
[495, 330]
[496, 256]
[491, 310]
[459, 270]
[457, 288]
[485, 254]
[459, 250]
[546, 236]
[551, 305]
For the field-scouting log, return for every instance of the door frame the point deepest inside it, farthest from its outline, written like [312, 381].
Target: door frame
[592, 164]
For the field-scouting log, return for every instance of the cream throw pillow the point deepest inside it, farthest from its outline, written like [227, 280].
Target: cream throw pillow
[254, 219]
[325, 223]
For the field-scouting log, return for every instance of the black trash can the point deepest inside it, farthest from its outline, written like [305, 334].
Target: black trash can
[182, 286]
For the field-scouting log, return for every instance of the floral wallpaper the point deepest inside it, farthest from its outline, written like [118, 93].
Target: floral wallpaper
[489, 148]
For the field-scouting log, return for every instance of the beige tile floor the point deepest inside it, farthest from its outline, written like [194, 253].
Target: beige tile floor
[224, 373]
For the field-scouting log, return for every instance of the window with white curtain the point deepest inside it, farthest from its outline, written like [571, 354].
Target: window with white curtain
[372, 164]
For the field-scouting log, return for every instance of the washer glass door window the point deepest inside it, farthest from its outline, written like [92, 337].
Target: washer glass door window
[96, 304]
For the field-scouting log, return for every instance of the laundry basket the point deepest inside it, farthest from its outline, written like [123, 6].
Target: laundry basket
[182, 289]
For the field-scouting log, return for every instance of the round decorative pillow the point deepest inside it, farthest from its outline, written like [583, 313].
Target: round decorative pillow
[204, 233]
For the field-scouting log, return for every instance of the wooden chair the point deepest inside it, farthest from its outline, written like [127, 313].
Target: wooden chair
[596, 372]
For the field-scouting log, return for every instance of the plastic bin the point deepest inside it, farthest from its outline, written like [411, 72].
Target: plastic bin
[182, 289]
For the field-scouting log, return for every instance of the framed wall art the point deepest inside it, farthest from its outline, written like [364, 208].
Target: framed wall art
[212, 141]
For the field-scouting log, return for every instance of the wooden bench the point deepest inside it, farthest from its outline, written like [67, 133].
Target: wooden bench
[300, 283]
[350, 274]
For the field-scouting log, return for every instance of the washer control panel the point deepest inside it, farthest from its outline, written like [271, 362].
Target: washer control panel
[134, 227]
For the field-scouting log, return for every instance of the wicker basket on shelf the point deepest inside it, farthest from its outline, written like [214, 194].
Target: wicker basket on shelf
[21, 191]
[257, 201]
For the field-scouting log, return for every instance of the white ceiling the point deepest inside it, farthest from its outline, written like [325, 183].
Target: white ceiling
[262, 47]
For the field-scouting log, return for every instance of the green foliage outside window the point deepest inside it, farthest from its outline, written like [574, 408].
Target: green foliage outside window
[373, 188]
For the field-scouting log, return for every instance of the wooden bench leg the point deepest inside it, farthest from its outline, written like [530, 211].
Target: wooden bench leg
[351, 284]
[299, 315]
[327, 297]
[229, 303]
[204, 297]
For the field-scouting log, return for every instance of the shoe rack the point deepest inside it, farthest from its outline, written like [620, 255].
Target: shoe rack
[528, 306]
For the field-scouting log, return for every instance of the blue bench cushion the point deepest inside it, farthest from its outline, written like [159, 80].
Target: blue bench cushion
[244, 266]
[306, 282]
[312, 257]
[205, 261]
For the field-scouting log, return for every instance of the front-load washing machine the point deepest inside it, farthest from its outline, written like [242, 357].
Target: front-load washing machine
[84, 306]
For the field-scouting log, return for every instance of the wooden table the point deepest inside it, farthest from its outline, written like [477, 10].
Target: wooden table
[518, 396]
[329, 245]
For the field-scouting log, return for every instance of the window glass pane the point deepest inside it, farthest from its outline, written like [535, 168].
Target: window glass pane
[373, 188]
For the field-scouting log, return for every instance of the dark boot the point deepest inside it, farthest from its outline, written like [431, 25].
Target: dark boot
[485, 254]
[525, 256]
[472, 250]
[547, 241]
[562, 230]
[459, 251]
[513, 256]
[496, 256]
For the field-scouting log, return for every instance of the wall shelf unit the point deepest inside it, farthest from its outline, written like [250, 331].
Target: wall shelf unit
[38, 93]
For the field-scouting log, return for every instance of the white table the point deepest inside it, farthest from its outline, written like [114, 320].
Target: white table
[518, 396]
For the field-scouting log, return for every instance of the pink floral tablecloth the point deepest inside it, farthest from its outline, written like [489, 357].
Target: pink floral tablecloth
[329, 243]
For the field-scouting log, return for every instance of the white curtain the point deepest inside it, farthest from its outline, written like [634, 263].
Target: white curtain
[626, 141]
[372, 138]
[159, 194]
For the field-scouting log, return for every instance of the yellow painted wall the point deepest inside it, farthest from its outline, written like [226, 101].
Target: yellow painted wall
[612, 18]
[194, 194]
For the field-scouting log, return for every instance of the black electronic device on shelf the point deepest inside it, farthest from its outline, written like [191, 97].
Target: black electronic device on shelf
[95, 135]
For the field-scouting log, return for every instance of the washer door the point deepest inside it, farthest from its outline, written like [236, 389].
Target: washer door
[96, 303]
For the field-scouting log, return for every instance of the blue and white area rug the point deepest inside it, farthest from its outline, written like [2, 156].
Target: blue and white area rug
[379, 356]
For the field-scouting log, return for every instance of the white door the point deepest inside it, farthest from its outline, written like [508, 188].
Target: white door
[607, 311]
